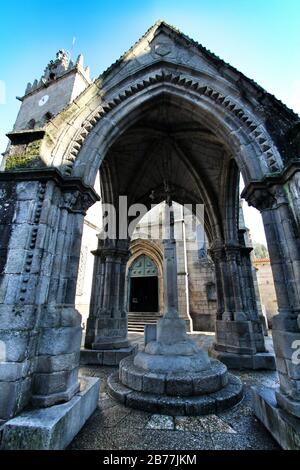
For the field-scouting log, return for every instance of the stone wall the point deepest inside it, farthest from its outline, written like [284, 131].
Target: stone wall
[202, 291]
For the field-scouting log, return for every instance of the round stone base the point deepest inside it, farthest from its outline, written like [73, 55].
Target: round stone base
[215, 402]
[189, 383]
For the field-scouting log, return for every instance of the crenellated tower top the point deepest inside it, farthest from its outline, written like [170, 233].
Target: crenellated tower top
[56, 69]
[62, 81]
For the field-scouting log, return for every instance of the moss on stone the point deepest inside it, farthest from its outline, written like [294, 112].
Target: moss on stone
[28, 158]
[19, 161]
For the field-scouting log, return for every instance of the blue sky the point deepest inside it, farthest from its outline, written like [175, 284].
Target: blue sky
[261, 38]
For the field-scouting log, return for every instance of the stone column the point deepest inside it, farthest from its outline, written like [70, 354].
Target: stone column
[42, 217]
[107, 333]
[239, 336]
[56, 374]
[253, 296]
[233, 260]
[279, 409]
[19, 207]
[216, 253]
[96, 295]
[284, 248]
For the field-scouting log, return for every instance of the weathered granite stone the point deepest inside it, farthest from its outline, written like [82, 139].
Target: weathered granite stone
[173, 384]
[106, 357]
[62, 340]
[47, 384]
[225, 398]
[52, 428]
[258, 361]
[154, 383]
[288, 402]
[150, 333]
[11, 391]
[116, 389]
[177, 385]
[45, 400]
[12, 371]
[284, 427]
[57, 363]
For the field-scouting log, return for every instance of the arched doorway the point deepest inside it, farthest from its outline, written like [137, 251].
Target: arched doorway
[143, 285]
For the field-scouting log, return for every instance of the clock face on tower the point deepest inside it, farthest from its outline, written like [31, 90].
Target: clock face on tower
[43, 100]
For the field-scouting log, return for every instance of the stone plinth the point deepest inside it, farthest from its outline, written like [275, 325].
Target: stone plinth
[240, 345]
[106, 357]
[192, 405]
[174, 376]
[55, 427]
[284, 427]
[192, 383]
[258, 361]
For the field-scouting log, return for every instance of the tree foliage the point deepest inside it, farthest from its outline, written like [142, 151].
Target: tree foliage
[260, 250]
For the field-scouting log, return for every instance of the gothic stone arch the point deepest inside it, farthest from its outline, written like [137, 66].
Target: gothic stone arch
[46, 188]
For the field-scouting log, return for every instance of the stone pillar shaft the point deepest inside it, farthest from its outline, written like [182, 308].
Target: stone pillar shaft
[277, 263]
[219, 286]
[284, 250]
[170, 265]
[40, 245]
[232, 255]
[239, 332]
[107, 323]
[227, 294]
[170, 277]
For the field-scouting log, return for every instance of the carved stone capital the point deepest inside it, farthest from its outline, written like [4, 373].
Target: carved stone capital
[261, 199]
[114, 250]
[216, 251]
[233, 252]
[76, 201]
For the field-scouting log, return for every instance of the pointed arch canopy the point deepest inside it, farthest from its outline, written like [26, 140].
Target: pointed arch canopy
[167, 69]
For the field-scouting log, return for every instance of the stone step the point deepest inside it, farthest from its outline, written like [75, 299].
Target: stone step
[141, 320]
[141, 315]
[135, 329]
[138, 320]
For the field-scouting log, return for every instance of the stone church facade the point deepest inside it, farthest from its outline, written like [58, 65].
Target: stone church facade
[168, 118]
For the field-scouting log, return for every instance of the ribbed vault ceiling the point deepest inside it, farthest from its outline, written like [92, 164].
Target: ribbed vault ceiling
[167, 142]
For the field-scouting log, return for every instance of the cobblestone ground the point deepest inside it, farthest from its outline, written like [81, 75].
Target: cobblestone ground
[113, 426]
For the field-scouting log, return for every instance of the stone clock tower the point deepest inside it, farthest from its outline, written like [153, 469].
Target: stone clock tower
[63, 80]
